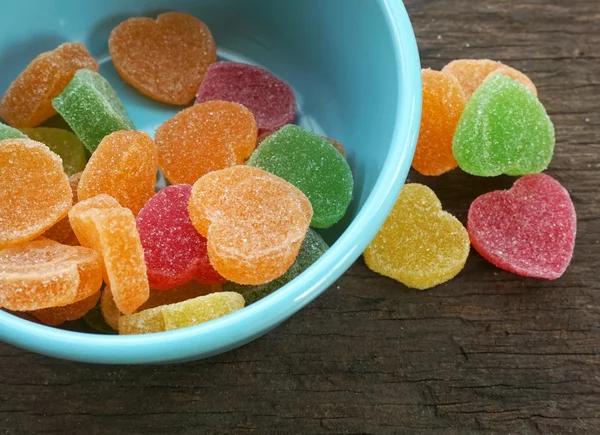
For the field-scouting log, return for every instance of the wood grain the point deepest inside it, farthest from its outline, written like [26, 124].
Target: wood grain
[489, 352]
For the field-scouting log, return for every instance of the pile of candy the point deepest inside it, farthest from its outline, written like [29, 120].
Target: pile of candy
[92, 239]
[484, 117]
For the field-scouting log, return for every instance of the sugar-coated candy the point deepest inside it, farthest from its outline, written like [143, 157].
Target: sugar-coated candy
[61, 231]
[419, 244]
[62, 142]
[192, 289]
[271, 100]
[34, 190]
[7, 132]
[472, 72]
[204, 138]
[84, 236]
[174, 251]
[336, 143]
[28, 100]
[443, 104]
[254, 222]
[92, 108]
[57, 315]
[112, 232]
[164, 59]
[314, 166]
[313, 247]
[504, 129]
[44, 274]
[528, 230]
[123, 166]
[181, 315]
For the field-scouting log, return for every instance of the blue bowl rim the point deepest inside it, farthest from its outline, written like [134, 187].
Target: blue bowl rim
[243, 326]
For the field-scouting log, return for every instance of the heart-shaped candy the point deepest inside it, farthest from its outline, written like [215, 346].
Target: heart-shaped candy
[419, 244]
[528, 230]
[164, 59]
[504, 129]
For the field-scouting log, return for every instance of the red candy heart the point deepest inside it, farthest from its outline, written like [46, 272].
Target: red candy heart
[528, 230]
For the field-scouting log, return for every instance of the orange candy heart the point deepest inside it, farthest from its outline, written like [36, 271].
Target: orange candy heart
[164, 59]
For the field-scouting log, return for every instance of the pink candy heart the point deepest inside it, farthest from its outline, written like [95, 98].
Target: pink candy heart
[528, 230]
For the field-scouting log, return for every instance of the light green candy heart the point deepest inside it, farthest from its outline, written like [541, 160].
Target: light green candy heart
[504, 129]
[7, 132]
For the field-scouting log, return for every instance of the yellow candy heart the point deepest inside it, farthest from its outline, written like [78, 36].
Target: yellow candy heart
[419, 244]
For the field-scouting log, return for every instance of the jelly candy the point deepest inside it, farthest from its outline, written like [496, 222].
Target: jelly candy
[504, 129]
[34, 190]
[515, 75]
[164, 59]
[7, 132]
[112, 232]
[57, 315]
[472, 72]
[85, 237]
[254, 222]
[108, 308]
[173, 249]
[28, 100]
[419, 244]
[62, 142]
[62, 232]
[111, 313]
[44, 274]
[336, 143]
[311, 164]
[204, 138]
[182, 314]
[528, 230]
[443, 103]
[123, 166]
[270, 99]
[313, 247]
[92, 108]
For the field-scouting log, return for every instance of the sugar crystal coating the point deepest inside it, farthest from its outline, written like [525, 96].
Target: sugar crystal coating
[92, 108]
[504, 129]
[254, 222]
[62, 142]
[112, 232]
[34, 190]
[174, 251]
[472, 72]
[57, 315]
[28, 100]
[205, 138]
[61, 231]
[164, 59]
[182, 314]
[419, 244]
[443, 104]
[7, 132]
[44, 274]
[314, 166]
[123, 166]
[108, 307]
[313, 247]
[270, 99]
[528, 230]
[336, 143]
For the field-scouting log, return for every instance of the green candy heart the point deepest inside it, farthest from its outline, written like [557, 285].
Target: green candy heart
[311, 250]
[504, 129]
[313, 165]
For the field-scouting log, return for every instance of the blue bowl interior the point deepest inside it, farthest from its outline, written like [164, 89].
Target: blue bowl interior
[355, 70]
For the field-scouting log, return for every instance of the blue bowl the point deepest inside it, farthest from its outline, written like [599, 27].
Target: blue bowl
[355, 68]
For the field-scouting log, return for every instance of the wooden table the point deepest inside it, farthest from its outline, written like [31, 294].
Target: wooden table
[489, 352]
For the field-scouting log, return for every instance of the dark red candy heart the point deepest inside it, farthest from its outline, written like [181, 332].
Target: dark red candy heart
[528, 230]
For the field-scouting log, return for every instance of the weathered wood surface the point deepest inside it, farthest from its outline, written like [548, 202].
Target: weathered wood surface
[487, 353]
